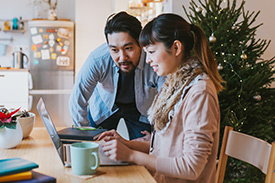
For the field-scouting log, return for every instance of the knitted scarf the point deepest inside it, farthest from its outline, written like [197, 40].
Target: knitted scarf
[171, 92]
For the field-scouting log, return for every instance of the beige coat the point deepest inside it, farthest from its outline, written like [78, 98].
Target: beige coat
[186, 148]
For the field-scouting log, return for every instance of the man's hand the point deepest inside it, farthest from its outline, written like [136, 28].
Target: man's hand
[147, 136]
[108, 135]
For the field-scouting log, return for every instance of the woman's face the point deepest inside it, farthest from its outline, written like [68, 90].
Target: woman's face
[162, 61]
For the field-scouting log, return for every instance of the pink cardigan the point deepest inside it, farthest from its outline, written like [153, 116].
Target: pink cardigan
[187, 148]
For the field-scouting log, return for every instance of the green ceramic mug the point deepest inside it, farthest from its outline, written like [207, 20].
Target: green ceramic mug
[84, 158]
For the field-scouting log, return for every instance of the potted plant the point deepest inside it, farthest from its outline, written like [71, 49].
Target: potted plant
[26, 120]
[10, 130]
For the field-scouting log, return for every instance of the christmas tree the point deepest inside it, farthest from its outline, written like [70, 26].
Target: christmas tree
[247, 103]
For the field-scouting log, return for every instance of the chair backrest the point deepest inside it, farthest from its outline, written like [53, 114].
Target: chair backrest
[249, 149]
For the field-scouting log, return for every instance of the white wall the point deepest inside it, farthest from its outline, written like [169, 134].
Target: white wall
[90, 19]
[89, 27]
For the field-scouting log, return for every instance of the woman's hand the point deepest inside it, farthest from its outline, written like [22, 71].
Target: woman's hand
[116, 150]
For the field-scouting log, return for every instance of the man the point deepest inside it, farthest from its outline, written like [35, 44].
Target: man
[115, 81]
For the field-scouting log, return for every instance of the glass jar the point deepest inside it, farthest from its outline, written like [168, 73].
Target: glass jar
[37, 9]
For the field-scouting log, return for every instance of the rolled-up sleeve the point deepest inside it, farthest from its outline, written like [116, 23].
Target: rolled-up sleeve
[83, 88]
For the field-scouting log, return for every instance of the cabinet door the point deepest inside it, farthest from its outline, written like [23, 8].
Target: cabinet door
[14, 89]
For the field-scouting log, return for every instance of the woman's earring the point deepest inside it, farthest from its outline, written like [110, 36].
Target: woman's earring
[148, 60]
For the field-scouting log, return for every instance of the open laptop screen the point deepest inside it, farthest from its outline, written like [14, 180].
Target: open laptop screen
[41, 108]
[72, 137]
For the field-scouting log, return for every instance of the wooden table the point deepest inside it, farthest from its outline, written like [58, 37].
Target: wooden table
[38, 148]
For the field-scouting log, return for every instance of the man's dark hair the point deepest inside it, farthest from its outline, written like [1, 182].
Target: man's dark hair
[123, 22]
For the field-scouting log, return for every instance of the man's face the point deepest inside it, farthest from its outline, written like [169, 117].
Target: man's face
[124, 51]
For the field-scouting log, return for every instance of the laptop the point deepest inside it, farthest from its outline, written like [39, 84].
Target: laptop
[63, 138]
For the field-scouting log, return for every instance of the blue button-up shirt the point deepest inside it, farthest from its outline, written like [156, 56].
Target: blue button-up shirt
[96, 87]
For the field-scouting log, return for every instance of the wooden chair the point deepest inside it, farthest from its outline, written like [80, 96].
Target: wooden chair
[248, 149]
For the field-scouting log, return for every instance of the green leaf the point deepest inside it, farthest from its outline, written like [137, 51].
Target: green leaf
[244, 78]
[11, 125]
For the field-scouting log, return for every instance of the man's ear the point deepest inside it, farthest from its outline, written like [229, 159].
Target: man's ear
[177, 47]
[139, 43]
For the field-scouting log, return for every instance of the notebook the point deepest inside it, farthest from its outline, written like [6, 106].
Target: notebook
[63, 138]
[40, 177]
[15, 165]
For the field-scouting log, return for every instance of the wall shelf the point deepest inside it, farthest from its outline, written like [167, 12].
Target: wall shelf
[14, 31]
[2, 21]
[10, 20]
[6, 39]
[144, 8]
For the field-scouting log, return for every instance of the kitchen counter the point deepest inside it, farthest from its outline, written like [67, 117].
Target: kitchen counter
[12, 69]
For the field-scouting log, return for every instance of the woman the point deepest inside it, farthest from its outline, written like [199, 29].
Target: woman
[185, 114]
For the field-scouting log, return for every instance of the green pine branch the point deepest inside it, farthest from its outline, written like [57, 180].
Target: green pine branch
[247, 75]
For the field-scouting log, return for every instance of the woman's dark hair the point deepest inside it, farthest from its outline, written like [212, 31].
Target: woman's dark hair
[166, 28]
[123, 22]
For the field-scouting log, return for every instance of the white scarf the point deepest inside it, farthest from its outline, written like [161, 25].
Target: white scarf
[171, 92]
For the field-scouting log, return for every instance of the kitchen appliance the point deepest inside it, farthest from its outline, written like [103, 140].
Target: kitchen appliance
[18, 59]
[3, 49]
[51, 67]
